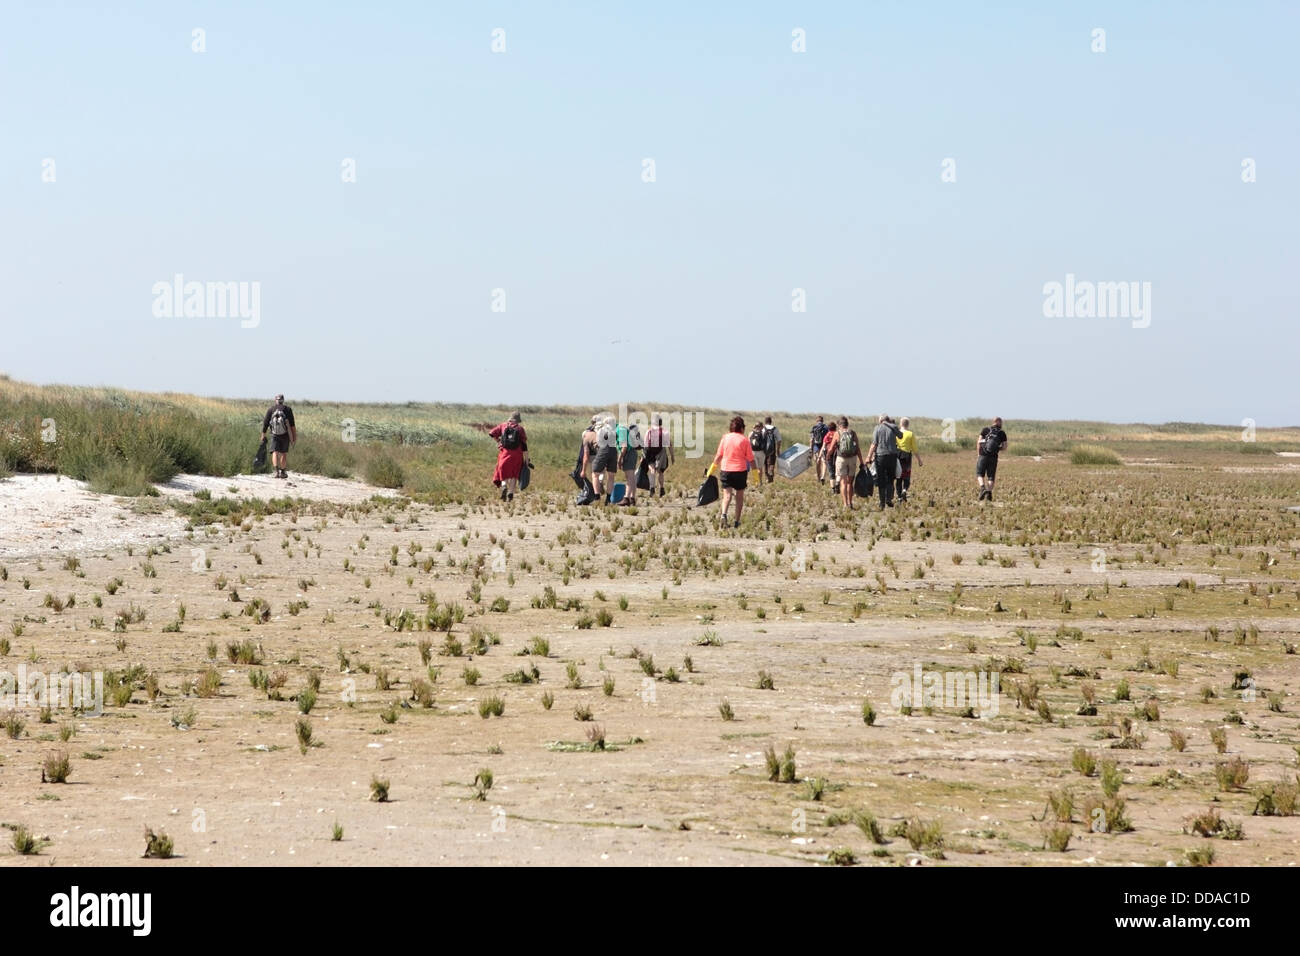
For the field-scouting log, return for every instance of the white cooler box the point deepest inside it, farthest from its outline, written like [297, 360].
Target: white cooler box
[794, 461]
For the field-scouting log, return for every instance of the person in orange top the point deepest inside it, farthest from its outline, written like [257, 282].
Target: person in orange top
[734, 459]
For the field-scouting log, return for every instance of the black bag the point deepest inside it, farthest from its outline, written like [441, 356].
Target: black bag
[992, 442]
[863, 483]
[708, 492]
[643, 475]
[510, 437]
[769, 441]
[525, 475]
[756, 440]
[588, 495]
[259, 460]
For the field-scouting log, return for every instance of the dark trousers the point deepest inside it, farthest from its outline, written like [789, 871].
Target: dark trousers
[905, 479]
[885, 477]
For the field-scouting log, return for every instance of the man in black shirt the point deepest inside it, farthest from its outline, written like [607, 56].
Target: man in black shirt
[993, 440]
[278, 420]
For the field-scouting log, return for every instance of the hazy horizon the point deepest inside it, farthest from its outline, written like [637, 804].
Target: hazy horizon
[375, 181]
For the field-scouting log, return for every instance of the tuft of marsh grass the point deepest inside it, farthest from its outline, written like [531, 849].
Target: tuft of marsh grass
[378, 790]
[157, 846]
[57, 767]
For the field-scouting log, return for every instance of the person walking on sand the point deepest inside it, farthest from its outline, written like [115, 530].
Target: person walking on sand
[993, 441]
[605, 461]
[758, 445]
[829, 442]
[848, 459]
[279, 421]
[658, 453]
[512, 455]
[816, 435]
[907, 451]
[771, 449]
[629, 444]
[884, 453]
[734, 458]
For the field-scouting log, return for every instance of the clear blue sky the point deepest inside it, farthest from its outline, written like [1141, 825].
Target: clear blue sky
[775, 170]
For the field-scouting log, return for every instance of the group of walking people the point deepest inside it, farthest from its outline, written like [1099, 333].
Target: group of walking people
[853, 466]
[608, 447]
[886, 461]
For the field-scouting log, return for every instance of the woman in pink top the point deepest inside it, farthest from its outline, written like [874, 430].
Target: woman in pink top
[734, 459]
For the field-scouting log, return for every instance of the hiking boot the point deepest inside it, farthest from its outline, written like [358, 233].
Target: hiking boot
[510, 497]
[503, 494]
[661, 492]
[989, 494]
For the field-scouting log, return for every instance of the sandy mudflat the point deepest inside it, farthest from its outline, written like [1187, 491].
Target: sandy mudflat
[40, 514]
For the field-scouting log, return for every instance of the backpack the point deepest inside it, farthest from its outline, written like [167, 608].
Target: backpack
[279, 421]
[510, 436]
[818, 434]
[756, 440]
[769, 441]
[848, 446]
[634, 435]
[992, 441]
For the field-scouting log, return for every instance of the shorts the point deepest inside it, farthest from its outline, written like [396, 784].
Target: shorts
[987, 467]
[280, 443]
[846, 468]
[629, 461]
[735, 480]
[658, 458]
[606, 459]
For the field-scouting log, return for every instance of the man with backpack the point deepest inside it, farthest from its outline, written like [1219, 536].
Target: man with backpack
[279, 421]
[758, 445]
[884, 453]
[816, 435]
[993, 440]
[848, 459]
[771, 448]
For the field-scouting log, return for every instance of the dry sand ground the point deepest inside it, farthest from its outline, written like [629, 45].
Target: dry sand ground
[677, 784]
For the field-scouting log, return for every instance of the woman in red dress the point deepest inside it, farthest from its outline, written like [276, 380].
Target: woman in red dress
[512, 457]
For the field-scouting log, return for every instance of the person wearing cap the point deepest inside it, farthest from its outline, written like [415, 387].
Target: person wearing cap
[993, 440]
[279, 421]
[512, 455]
[605, 458]
[907, 452]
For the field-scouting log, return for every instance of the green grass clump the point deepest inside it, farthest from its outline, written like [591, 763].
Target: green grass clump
[1093, 455]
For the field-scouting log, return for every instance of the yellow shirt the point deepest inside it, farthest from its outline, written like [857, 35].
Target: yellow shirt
[907, 442]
